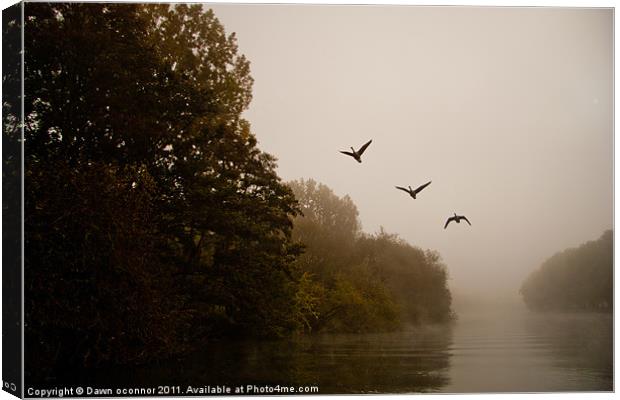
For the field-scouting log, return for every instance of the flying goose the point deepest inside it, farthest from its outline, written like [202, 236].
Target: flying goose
[457, 219]
[357, 154]
[413, 192]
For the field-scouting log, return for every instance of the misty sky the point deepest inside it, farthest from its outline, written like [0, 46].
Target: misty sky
[507, 110]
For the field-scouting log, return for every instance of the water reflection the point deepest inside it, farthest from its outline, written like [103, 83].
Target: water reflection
[580, 345]
[416, 360]
[514, 351]
[520, 351]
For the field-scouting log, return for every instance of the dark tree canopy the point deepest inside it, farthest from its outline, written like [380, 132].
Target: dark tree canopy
[578, 279]
[153, 220]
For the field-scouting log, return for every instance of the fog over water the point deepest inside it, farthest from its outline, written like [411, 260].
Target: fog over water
[507, 110]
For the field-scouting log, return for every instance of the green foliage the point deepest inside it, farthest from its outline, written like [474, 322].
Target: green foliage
[574, 279]
[361, 303]
[417, 278]
[354, 282]
[308, 298]
[154, 222]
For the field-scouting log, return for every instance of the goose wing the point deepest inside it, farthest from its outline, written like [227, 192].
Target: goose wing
[447, 222]
[348, 153]
[363, 148]
[465, 218]
[419, 189]
[402, 188]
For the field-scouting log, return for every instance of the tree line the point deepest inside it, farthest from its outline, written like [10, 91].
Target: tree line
[351, 281]
[154, 223]
[576, 279]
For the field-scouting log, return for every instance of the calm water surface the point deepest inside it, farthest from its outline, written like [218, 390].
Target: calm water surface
[511, 351]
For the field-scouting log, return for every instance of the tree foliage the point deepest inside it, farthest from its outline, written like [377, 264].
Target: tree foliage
[575, 279]
[417, 278]
[153, 221]
[355, 282]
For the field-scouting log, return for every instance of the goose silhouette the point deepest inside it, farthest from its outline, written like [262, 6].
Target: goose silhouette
[457, 219]
[357, 154]
[413, 192]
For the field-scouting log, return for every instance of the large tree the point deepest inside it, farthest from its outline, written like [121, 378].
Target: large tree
[153, 221]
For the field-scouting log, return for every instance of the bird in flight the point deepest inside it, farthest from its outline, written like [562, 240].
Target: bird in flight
[357, 154]
[457, 219]
[413, 192]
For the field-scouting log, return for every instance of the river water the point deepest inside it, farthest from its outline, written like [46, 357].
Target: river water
[493, 351]
[506, 350]
[520, 351]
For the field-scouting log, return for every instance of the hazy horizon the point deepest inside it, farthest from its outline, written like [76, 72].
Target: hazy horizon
[507, 110]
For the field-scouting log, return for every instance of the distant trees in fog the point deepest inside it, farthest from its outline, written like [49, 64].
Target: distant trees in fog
[352, 281]
[575, 279]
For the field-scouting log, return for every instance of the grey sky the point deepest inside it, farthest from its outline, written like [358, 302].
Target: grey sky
[507, 110]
